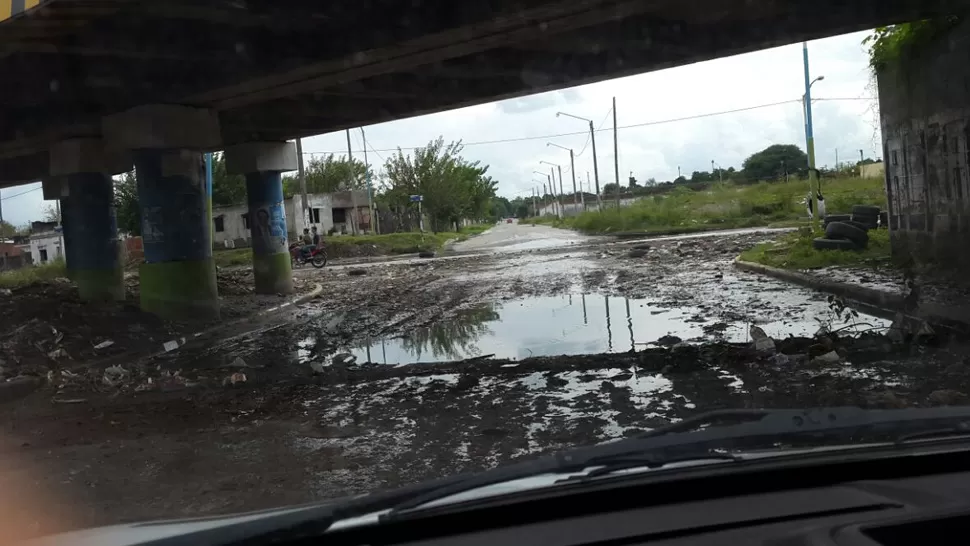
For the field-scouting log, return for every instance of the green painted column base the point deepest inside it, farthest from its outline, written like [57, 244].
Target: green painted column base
[273, 273]
[182, 291]
[99, 284]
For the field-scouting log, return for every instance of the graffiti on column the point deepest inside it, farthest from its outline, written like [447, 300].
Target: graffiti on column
[151, 228]
[269, 229]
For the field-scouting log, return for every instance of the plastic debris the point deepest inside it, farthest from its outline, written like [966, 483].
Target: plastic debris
[235, 379]
[757, 332]
[104, 344]
[830, 357]
[173, 344]
[115, 376]
[5, 292]
[764, 345]
[317, 367]
[57, 353]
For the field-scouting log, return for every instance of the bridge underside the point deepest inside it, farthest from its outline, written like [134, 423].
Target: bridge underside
[280, 69]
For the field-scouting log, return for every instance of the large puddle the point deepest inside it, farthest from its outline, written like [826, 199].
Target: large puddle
[560, 325]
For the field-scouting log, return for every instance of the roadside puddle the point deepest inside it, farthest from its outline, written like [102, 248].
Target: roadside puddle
[564, 325]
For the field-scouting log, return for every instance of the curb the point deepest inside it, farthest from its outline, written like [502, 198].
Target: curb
[875, 302]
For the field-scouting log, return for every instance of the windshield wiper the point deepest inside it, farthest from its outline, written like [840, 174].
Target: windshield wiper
[696, 438]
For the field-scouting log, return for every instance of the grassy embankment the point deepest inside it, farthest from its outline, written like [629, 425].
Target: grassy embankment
[794, 251]
[29, 275]
[724, 206]
[366, 245]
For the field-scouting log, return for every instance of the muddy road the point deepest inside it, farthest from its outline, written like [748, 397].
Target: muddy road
[518, 342]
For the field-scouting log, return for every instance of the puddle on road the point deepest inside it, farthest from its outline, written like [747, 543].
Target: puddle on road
[559, 325]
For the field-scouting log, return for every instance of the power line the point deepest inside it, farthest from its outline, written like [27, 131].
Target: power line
[22, 193]
[601, 129]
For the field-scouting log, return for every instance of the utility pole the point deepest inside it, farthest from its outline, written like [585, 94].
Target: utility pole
[370, 190]
[572, 169]
[350, 184]
[561, 194]
[557, 199]
[616, 157]
[589, 186]
[596, 169]
[809, 137]
[301, 174]
[678, 171]
[836, 161]
[535, 209]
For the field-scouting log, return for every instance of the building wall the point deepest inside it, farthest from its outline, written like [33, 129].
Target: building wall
[872, 170]
[925, 111]
[49, 241]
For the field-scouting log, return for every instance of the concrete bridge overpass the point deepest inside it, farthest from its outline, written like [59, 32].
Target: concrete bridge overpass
[88, 84]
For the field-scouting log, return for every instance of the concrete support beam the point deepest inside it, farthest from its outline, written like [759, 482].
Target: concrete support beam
[254, 157]
[262, 163]
[91, 247]
[163, 126]
[87, 155]
[81, 172]
[178, 278]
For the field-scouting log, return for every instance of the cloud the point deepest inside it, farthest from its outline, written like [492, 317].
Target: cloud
[493, 132]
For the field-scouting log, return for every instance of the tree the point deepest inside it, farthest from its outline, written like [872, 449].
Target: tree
[610, 188]
[127, 210]
[328, 175]
[775, 161]
[227, 189]
[451, 187]
[7, 230]
[51, 214]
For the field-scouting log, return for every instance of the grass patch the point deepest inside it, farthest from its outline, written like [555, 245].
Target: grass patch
[795, 251]
[31, 274]
[365, 245]
[724, 206]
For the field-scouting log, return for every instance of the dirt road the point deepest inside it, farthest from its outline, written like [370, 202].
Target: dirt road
[525, 340]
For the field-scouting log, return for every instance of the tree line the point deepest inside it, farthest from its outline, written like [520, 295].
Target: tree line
[452, 187]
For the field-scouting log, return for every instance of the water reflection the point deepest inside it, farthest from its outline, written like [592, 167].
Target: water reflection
[452, 339]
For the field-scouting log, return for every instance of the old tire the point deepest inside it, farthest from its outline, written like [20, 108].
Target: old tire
[884, 219]
[425, 254]
[833, 244]
[836, 218]
[865, 210]
[871, 222]
[841, 230]
[860, 225]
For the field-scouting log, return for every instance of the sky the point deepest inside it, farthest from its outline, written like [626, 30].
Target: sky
[651, 150]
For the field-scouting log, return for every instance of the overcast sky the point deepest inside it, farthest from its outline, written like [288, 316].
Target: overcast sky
[656, 150]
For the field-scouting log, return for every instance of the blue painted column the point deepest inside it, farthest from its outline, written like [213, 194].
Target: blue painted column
[91, 237]
[178, 278]
[272, 268]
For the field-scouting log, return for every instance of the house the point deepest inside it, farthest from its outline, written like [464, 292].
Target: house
[46, 242]
[330, 212]
[872, 170]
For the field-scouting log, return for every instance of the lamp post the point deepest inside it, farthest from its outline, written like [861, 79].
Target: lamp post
[572, 169]
[720, 172]
[544, 185]
[559, 197]
[592, 138]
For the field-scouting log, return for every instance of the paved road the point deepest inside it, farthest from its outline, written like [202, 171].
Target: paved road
[517, 237]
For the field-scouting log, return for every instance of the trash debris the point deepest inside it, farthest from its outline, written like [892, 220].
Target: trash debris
[57, 353]
[104, 344]
[115, 376]
[317, 366]
[173, 344]
[830, 357]
[238, 363]
[235, 379]
[5, 292]
[756, 332]
[947, 397]
[344, 359]
[764, 345]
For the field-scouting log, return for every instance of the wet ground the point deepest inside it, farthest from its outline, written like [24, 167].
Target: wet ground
[526, 340]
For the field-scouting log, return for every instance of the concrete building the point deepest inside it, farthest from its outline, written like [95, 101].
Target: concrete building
[872, 170]
[925, 111]
[46, 242]
[328, 211]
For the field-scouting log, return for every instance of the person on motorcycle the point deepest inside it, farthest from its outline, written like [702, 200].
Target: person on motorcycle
[316, 237]
[308, 243]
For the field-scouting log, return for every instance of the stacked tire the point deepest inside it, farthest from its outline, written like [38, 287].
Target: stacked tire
[849, 231]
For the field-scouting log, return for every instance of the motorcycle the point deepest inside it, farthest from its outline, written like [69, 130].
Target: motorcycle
[317, 256]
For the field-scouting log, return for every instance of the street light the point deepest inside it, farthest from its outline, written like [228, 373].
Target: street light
[544, 191]
[720, 171]
[572, 169]
[558, 197]
[592, 138]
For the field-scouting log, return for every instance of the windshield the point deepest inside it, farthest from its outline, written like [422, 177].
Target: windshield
[256, 254]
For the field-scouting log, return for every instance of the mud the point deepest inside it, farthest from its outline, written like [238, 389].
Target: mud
[414, 369]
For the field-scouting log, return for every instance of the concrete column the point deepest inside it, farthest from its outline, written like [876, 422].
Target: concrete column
[82, 169]
[178, 278]
[263, 163]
